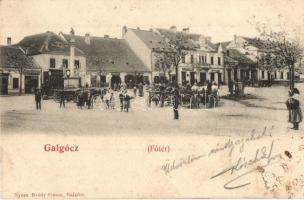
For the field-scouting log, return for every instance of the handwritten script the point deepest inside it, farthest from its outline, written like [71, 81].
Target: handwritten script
[263, 154]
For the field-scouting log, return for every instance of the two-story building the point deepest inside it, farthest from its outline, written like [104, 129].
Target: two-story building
[247, 52]
[62, 64]
[202, 62]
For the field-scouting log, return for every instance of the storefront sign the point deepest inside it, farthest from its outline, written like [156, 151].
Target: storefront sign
[34, 73]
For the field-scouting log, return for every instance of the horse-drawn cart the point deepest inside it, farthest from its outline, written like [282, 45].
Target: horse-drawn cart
[188, 98]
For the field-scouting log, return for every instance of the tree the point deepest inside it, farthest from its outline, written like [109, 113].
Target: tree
[18, 60]
[283, 50]
[163, 62]
[178, 46]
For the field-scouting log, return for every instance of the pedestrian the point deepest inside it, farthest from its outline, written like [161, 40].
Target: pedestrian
[209, 86]
[176, 102]
[134, 90]
[112, 101]
[230, 87]
[80, 101]
[121, 97]
[294, 109]
[38, 98]
[62, 99]
[126, 101]
[141, 89]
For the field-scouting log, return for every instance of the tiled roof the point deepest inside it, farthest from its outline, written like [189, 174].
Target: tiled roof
[45, 43]
[14, 57]
[152, 39]
[235, 55]
[191, 38]
[256, 42]
[108, 54]
[224, 45]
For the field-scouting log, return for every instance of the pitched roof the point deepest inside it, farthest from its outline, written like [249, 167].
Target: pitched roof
[256, 42]
[108, 54]
[193, 38]
[233, 55]
[224, 45]
[45, 43]
[152, 39]
[14, 57]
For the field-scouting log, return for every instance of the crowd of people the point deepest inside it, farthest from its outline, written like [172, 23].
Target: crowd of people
[85, 98]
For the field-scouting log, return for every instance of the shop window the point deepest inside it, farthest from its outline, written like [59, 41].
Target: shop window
[52, 62]
[15, 83]
[76, 64]
[65, 63]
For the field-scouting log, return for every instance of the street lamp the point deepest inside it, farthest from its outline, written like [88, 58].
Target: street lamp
[68, 73]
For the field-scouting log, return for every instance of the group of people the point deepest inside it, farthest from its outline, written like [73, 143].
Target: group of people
[86, 98]
[124, 99]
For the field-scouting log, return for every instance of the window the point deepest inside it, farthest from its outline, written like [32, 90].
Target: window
[52, 63]
[263, 74]
[219, 61]
[282, 75]
[65, 63]
[77, 64]
[15, 83]
[211, 60]
[200, 60]
[192, 59]
[183, 59]
[205, 59]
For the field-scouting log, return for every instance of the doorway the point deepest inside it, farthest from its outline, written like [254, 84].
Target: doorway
[115, 80]
[3, 84]
[30, 84]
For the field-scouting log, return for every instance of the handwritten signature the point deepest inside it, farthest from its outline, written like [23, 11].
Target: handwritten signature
[261, 154]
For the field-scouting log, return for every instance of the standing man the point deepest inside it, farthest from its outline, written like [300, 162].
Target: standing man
[62, 99]
[38, 98]
[176, 103]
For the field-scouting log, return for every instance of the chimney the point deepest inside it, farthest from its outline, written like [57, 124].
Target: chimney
[138, 28]
[9, 41]
[124, 30]
[186, 30]
[87, 39]
[173, 28]
[106, 36]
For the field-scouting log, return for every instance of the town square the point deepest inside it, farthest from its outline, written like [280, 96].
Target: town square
[151, 99]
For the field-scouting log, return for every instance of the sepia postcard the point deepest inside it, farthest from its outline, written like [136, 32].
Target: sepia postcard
[167, 99]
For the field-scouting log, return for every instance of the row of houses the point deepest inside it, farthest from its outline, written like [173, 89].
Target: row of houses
[70, 60]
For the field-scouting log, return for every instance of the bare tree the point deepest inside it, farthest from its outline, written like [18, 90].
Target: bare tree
[163, 62]
[178, 46]
[283, 50]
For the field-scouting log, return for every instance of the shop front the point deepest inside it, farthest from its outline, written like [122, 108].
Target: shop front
[31, 81]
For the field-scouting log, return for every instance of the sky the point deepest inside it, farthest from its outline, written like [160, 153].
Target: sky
[220, 19]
